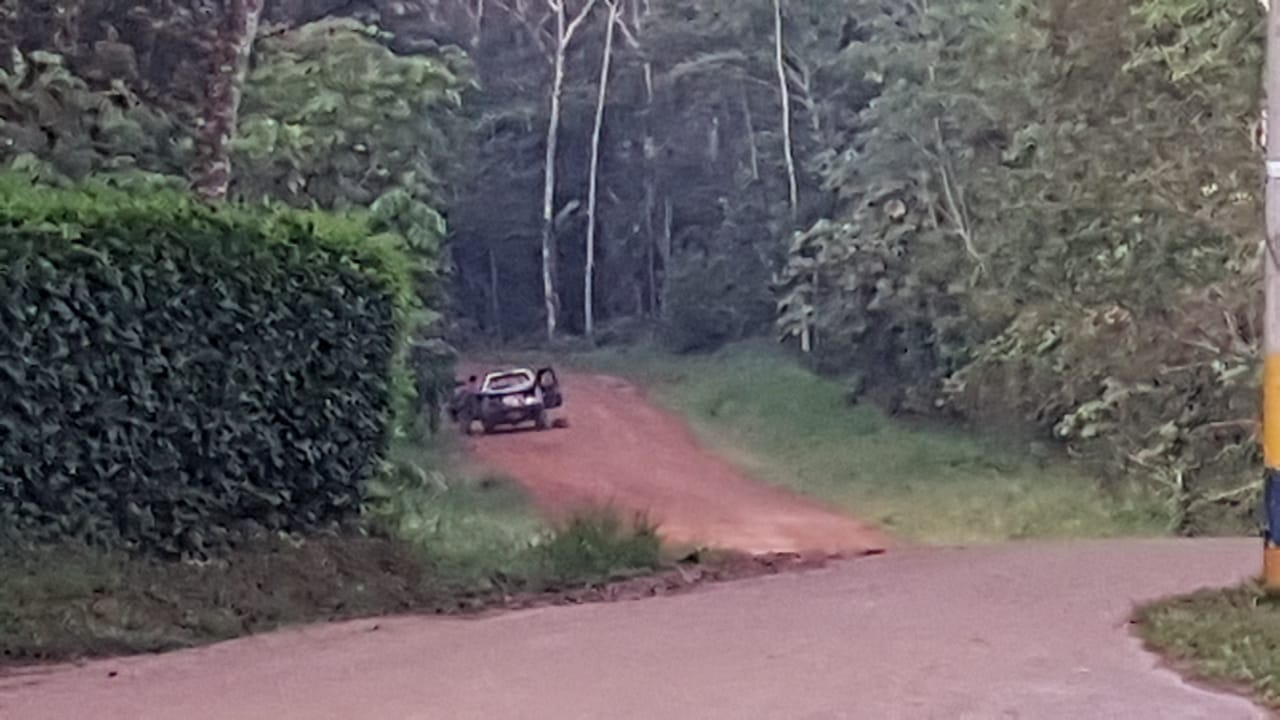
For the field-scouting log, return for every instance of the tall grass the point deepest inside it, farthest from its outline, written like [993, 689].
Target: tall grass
[443, 533]
[478, 532]
[599, 545]
[925, 482]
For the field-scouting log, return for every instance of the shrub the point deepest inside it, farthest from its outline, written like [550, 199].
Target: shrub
[174, 375]
[716, 299]
[598, 545]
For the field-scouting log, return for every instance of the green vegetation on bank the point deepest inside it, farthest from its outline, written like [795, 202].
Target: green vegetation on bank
[479, 532]
[436, 536]
[180, 377]
[923, 481]
[1221, 636]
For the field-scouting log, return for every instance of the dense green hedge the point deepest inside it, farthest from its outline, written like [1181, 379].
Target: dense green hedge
[174, 376]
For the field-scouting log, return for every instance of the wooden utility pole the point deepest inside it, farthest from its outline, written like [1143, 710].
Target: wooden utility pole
[1271, 317]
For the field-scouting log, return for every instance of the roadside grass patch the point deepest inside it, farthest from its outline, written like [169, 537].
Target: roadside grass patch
[66, 602]
[1224, 637]
[438, 536]
[598, 545]
[478, 532]
[472, 528]
[924, 481]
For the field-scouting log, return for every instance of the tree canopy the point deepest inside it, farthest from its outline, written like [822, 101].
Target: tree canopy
[1033, 213]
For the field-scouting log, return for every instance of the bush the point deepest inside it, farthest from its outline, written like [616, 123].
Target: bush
[596, 546]
[174, 377]
[716, 300]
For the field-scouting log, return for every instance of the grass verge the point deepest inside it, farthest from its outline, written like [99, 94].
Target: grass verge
[439, 538]
[925, 482]
[1223, 637]
[477, 532]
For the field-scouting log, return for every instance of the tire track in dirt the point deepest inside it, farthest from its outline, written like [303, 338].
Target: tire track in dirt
[619, 450]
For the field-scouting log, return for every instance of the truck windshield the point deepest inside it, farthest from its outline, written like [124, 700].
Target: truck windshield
[509, 382]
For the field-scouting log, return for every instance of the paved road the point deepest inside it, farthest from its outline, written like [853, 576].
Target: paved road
[1033, 631]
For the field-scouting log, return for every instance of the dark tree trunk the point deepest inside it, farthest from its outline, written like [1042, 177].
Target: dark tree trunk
[228, 67]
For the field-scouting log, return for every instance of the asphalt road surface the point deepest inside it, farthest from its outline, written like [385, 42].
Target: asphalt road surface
[1034, 631]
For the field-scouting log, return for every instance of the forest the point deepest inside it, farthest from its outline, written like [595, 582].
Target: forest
[1032, 215]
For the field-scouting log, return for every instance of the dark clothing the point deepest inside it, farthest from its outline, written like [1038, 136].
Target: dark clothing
[432, 363]
[465, 404]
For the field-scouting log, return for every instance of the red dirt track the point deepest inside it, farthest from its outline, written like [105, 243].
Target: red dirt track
[619, 450]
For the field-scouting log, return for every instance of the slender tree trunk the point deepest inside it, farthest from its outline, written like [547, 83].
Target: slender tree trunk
[495, 306]
[588, 306]
[664, 254]
[552, 302]
[649, 150]
[229, 65]
[753, 150]
[650, 200]
[639, 14]
[785, 96]
[479, 27]
[654, 310]
[565, 30]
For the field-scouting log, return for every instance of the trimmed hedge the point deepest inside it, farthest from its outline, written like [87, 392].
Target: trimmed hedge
[174, 377]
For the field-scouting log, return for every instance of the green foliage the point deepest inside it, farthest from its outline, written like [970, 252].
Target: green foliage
[715, 298]
[155, 51]
[471, 529]
[1043, 216]
[598, 545]
[421, 230]
[443, 540]
[51, 114]
[924, 481]
[876, 292]
[178, 375]
[332, 116]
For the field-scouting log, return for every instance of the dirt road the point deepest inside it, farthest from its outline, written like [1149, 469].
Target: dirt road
[1022, 631]
[620, 450]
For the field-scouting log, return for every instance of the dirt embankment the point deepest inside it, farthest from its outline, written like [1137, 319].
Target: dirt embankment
[621, 451]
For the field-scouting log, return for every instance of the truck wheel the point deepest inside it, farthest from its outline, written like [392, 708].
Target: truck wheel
[489, 427]
[541, 422]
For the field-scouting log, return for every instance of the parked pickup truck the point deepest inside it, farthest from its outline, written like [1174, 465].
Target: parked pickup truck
[509, 397]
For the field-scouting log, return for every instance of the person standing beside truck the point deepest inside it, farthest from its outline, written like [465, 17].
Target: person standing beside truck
[432, 362]
[464, 406]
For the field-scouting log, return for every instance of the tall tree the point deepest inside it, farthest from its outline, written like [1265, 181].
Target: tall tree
[784, 97]
[230, 64]
[588, 309]
[565, 30]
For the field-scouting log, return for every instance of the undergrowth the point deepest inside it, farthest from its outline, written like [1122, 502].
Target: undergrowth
[438, 535]
[477, 530]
